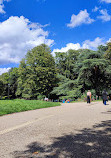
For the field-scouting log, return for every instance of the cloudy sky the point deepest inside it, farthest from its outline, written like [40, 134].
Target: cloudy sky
[61, 24]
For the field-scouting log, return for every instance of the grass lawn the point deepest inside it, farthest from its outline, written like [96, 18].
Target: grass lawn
[18, 105]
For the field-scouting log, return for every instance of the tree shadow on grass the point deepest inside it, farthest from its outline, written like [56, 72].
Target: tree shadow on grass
[87, 143]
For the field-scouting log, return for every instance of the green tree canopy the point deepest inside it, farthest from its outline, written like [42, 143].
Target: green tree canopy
[90, 70]
[107, 54]
[37, 73]
[66, 62]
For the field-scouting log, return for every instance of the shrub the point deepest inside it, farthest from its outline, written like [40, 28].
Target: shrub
[40, 97]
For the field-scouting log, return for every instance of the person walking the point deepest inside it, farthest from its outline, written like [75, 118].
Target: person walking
[89, 97]
[105, 97]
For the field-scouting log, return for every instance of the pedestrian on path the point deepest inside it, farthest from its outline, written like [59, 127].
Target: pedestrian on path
[105, 97]
[89, 97]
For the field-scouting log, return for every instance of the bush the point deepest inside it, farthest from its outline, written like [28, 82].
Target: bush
[93, 96]
[40, 97]
[4, 97]
[93, 92]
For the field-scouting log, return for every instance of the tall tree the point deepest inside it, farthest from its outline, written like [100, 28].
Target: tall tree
[93, 74]
[1, 88]
[5, 80]
[66, 63]
[22, 77]
[12, 81]
[92, 71]
[37, 73]
[108, 52]
[102, 49]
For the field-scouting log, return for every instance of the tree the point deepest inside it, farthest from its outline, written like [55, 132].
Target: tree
[92, 71]
[12, 81]
[1, 88]
[37, 73]
[102, 49]
[67, 89]
[5, 80]
[93, 74]
[66, 63]
[22, 77]
[107, 54]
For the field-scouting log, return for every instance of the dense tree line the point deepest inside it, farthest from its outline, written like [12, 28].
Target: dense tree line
[35, 77]
[67, 75]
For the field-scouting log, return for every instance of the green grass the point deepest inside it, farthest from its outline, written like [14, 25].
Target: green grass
[19, 105]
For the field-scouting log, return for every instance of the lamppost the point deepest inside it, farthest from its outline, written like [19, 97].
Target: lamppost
[8, 90]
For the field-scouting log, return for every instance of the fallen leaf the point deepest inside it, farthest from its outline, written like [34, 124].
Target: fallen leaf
[36, 152]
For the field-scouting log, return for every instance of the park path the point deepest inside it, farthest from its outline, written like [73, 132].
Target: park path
[73, 130]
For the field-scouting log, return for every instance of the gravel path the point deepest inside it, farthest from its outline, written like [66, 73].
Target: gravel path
[73, 130]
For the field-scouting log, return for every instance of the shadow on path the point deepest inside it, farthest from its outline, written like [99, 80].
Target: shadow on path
[107, 112]
[87, 143]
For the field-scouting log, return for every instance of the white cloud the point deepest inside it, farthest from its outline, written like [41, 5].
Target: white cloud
[104, 15]
[2, 6]
[87, 44]
[68, 46]
[107, 1]
[92, 44]
[3, 70]
[82, 18]
[17, 36]
[109, 40]
[95, 9]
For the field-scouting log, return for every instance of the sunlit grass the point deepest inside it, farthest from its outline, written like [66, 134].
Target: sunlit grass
[19, 105]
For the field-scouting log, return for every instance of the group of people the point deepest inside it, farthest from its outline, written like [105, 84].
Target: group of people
[104, 97]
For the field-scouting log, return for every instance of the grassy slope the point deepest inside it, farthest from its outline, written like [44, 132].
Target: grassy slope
[18, 105]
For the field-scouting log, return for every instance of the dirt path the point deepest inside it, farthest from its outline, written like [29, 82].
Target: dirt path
[73, 130]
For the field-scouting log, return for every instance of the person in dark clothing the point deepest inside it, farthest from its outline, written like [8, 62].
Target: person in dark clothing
[89, 97]
[105, 97]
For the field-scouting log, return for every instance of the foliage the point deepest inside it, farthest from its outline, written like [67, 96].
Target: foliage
[1, 87]
[4, 79]
[107, 54]
[93, 95]
[13, 77]
[37, 73]
[67, 88]
[65, 62]
[40, 97]
[69, 75]
[9, 83]
[91, 71]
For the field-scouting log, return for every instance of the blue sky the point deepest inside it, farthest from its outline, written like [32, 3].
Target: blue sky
[61, 24]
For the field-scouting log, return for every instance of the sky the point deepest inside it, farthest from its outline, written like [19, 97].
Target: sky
[61, 24]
